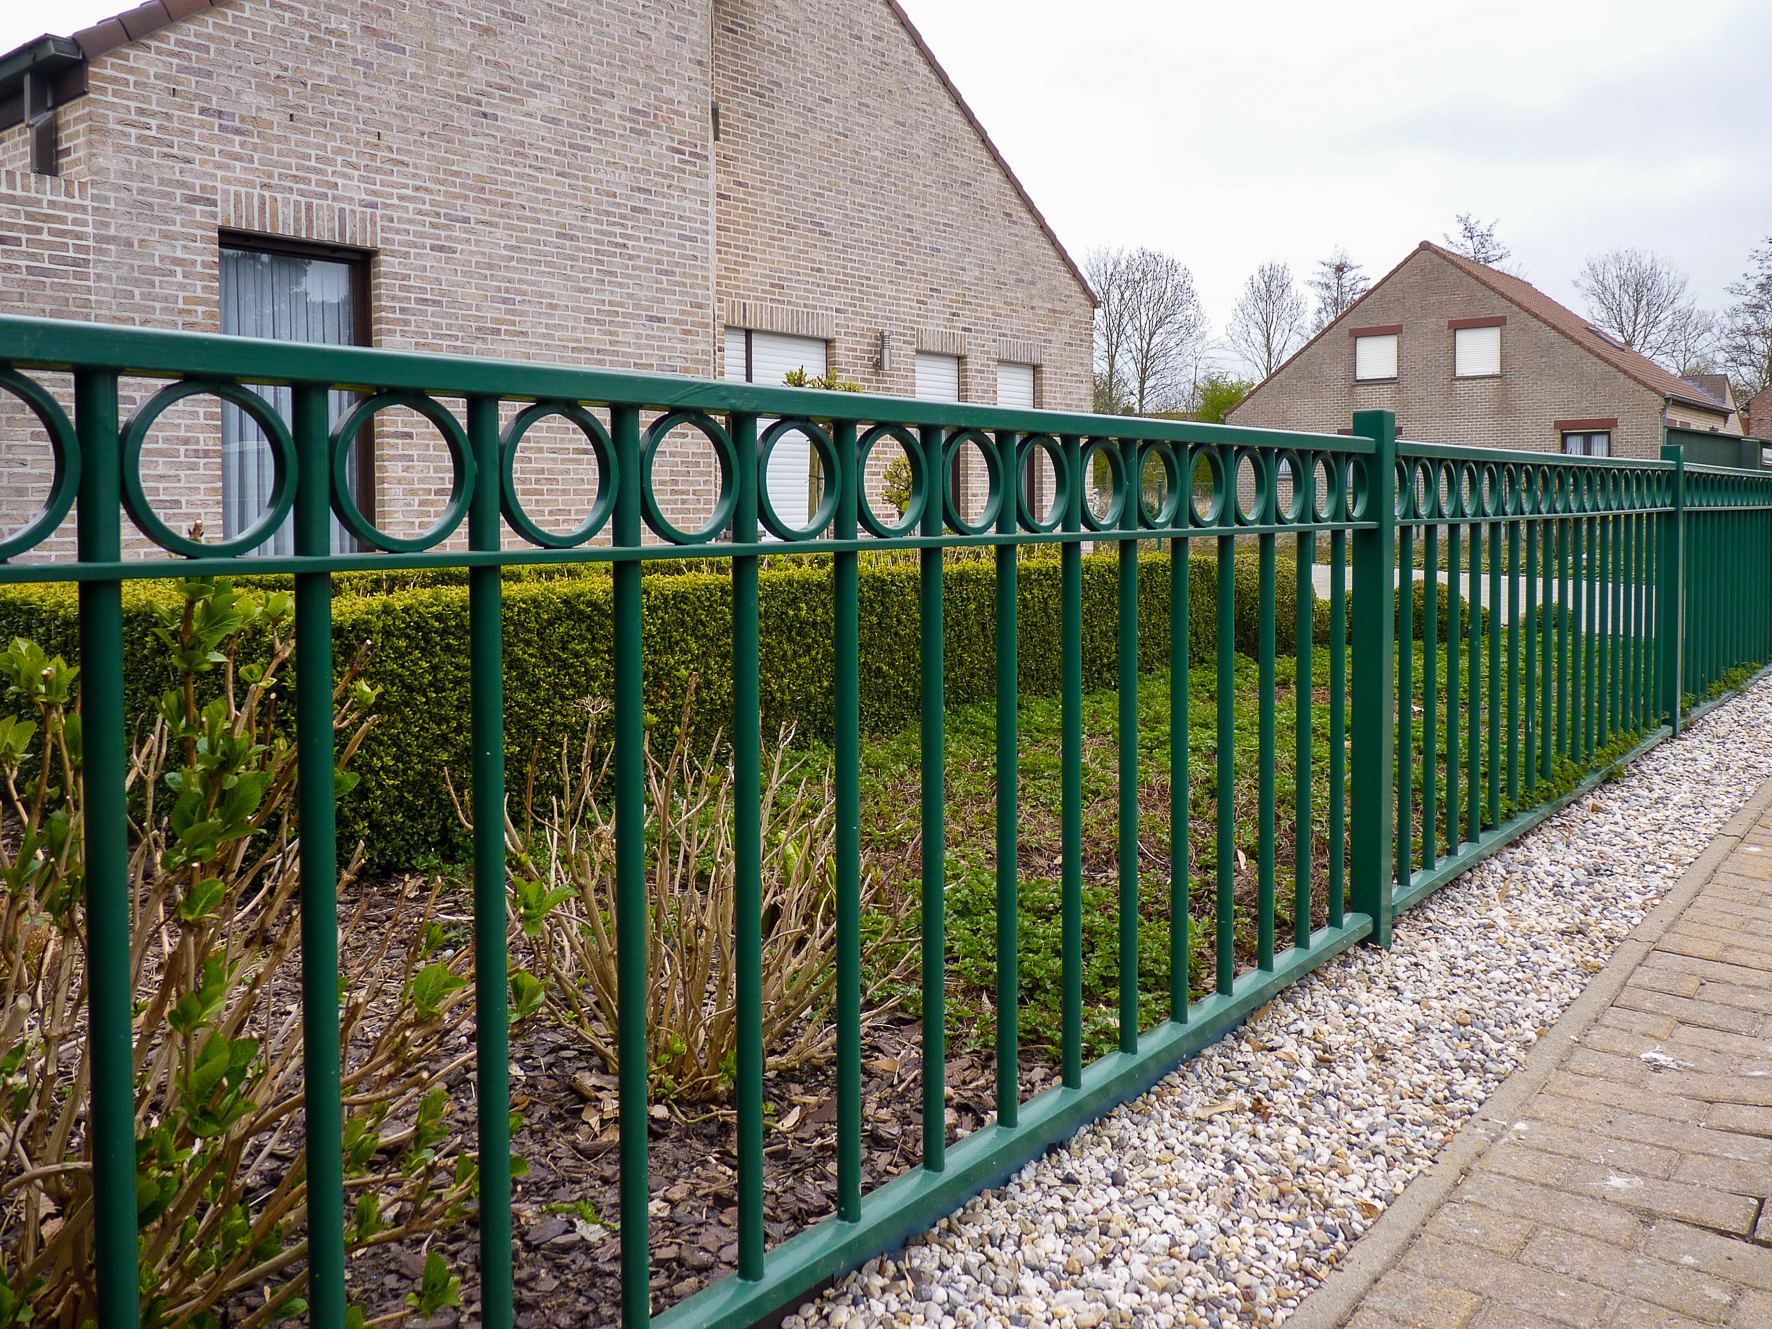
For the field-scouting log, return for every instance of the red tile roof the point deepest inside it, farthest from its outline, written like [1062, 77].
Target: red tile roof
[1662, 382]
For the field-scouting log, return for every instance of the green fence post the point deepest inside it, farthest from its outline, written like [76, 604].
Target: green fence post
[317, 809]
[1008, 836]
[492, 1038]
[934, 794]
[110, 994]
[846, 650]
[1670, 585]
[1127, 657]
[631, 911]
[747, 847]
[1374, 671]
[1071, 767]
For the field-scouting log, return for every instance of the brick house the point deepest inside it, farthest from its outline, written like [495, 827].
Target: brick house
[1759, 413]
[716, 187]
[1465, 354]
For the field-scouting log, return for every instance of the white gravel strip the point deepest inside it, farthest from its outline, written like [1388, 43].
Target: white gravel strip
[1230, 1191]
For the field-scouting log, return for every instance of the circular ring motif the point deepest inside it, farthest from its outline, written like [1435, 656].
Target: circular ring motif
[1061, 497]
[1325, 472]
[1489, 486]
[608, 480]
[1167, 511]
[283, 468]
[1355, 489]
[1117, 486]
[461, 480]
[724, 453]
[64, 446]
[1215, 483]
[919, 496]
[993, 469]
[1262, 500]
[827, 463]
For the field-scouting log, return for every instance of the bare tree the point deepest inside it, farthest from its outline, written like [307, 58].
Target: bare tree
[1693, 343]
[1477, 242]
[1745, 344]
[1338, 282]
[1149, 331]
[1640, 298]
[1268, 321]
[1106, 270]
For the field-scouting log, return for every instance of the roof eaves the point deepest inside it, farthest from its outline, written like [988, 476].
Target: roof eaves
[42, 55]
[990, 147]
[1477, 272]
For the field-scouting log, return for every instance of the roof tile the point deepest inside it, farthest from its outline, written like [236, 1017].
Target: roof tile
[101, 37]
[1640, 367]
[143, 19]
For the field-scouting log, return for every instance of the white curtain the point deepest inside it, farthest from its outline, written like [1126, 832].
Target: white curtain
[284, 298]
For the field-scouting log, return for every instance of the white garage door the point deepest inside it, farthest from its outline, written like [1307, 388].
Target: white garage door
[1015, 385]
[771, 357]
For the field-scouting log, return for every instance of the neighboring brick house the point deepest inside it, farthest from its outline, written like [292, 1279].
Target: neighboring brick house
[627, 185]
[1468, 355]
[1759, 414]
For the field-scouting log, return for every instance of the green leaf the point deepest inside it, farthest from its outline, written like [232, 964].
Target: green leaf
[436, 1288]
[527, 994]
[432, 986]
[201, 900]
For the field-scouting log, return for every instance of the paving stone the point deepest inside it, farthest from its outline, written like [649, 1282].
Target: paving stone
[1691, 1292]
[1630, 1313]
[1645, 1129]
[1415, 1301]
[1725, 1257]
[1753, 1311]
[1727, 1174]
[1538, 1204]
[1712, 1015]
[1523, 1287]
[1482, 1226]
[1753, 1121]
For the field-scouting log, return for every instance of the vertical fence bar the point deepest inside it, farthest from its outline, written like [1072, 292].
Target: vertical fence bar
[630, 875]
[1602, 629]
[1375, 676]
[1265, 735]
[1529, 652]
[846, 650]
[1008, 791]
[492, 1037]
[933, 774]
[1513, 665]
[747, 854]
[1584, 640]
[1473, 711]
[1406, 685]
[1547, 621]
[1454, 695]
[323, 1112]
[1303, 687]
[1496, 630]
[1071, 765]
[1563, 620]
[110, 991]
[1337, 721]
[1430, 685]
[1180, 919]
[1224, 736]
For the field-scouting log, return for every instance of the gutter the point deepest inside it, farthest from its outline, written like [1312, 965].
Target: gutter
[35, 80]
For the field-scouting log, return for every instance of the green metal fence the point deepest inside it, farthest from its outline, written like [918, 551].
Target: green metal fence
[1605, 593]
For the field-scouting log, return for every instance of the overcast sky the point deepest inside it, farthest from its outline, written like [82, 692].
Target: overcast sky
[1229, 134]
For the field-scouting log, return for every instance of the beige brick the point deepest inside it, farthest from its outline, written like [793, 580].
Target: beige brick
[1480, 1225]
[1521, 1287]
[1643, 1023]
[1723, 1257]
[1594, 1090]
[1725, 1174]
[1689, 1292]
[1641, 1128]
[1646, 1160]
[1753, 1311]
[1629, 1313]
[1747, 1120]
[1419, 1302]
[1695, 1204]
[1539, 1204]
[1709, 1014]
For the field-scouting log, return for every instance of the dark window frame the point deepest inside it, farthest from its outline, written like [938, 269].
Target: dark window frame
[361, 261]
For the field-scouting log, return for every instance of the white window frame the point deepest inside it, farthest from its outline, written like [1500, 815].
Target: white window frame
[1583, 442]
[1476, 352]
[1373, 345]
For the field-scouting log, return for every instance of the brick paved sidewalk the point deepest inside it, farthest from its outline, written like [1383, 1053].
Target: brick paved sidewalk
[1629, 1184]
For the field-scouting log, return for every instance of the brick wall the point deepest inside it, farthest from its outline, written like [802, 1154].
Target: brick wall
[1544, 376]
[535, 186]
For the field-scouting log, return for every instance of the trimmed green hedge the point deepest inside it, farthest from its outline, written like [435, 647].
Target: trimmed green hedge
[556, 654]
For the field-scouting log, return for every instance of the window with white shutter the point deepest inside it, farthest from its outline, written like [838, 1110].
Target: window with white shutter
[1015, 385]
[1476, 352]
[1375, 356]
[768, 358]
[938, 376]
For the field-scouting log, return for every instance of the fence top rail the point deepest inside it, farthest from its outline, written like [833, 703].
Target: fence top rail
[1515, 457]
[60, 344]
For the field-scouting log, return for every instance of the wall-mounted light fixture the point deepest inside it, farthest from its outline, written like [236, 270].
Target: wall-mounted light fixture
[883, 361]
